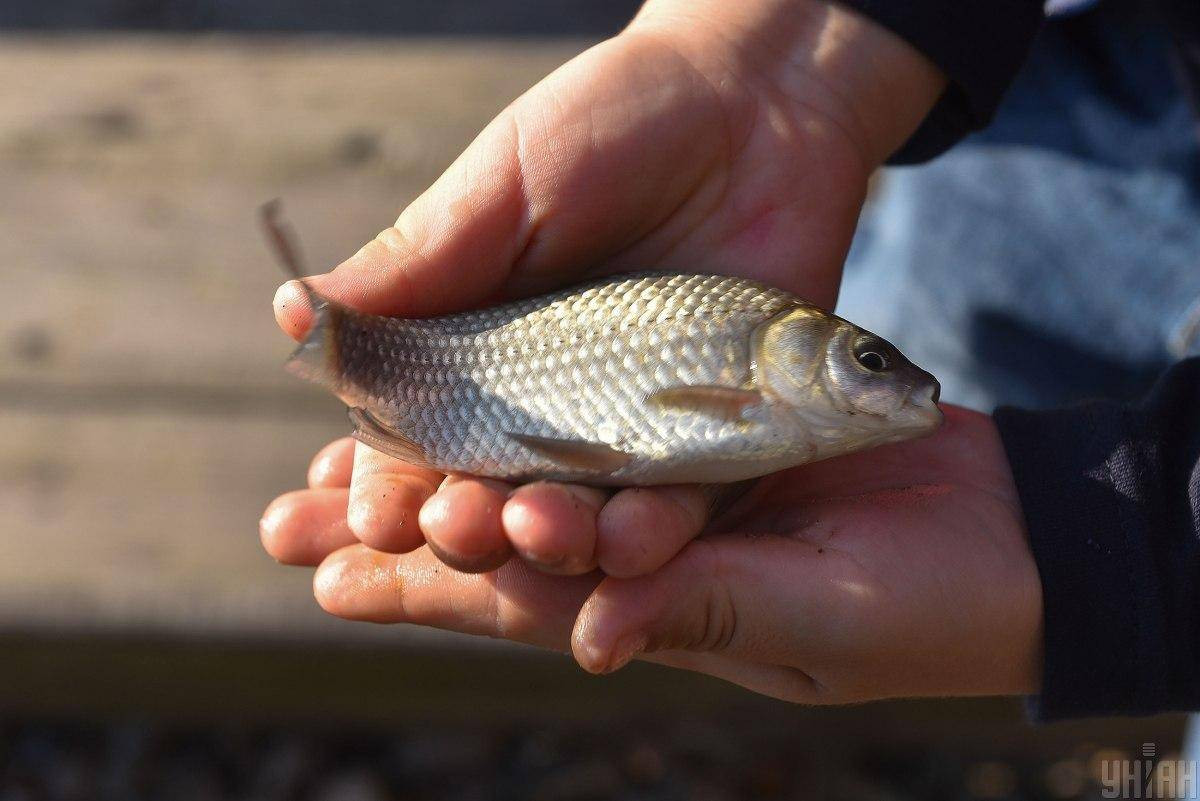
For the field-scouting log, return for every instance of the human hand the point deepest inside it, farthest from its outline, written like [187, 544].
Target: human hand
[902, 571]
[728, 138]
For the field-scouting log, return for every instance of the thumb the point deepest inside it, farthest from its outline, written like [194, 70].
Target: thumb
[739, 597]
[451, 247]
[574, 171]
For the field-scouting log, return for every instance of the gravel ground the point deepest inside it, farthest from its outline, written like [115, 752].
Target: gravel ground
[687, 759]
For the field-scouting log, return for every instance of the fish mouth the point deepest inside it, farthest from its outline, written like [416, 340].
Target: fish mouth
[922, 405]
[926, 394]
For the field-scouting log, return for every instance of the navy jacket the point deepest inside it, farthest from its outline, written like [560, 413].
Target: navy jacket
[980, 44]
[1111, 494]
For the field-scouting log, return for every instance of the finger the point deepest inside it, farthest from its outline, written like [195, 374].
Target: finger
[514, 603]
[462, 525]
[640, 529]
[386, 496]
[305, 526]
[333, 465]
[754, 599]
[553, 525]
[777, 681]
[574, 171]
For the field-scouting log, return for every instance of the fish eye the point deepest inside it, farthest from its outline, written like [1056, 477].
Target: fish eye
[873, 360]
[873, 355]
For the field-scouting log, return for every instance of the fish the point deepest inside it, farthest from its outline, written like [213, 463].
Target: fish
[636, 379]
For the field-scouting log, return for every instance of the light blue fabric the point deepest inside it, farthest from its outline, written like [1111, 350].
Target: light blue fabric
[1055, 256]
[1055, 8]
[1191, 751]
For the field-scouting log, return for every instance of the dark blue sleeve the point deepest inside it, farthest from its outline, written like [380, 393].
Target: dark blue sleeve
[979, 45]
[1111, 494]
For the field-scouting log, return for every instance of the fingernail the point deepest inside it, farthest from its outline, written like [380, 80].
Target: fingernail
[543, 562]
[476, 563]
[590, 497]
[561, 565]
[597, 659]
[626, 649]
[591, 657]
[502, 488]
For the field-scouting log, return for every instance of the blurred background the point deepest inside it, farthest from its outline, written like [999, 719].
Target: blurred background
[148, 647]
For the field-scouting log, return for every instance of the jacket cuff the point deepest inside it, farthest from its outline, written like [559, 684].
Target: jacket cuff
[1099, 586]
[979, 44]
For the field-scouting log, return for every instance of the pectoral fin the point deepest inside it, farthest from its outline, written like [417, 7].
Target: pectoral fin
[369, 431]
[723, 403]
[576, 454]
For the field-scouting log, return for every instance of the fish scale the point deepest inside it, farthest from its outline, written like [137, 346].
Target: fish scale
[646, 378]
[612, 345]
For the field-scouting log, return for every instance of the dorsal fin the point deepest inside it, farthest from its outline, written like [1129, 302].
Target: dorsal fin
[316, 358]
[286, 247]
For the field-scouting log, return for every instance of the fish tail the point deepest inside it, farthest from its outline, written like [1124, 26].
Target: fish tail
[316, 358]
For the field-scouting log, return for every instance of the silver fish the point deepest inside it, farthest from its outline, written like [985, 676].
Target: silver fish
[641, 379]
[652, 378]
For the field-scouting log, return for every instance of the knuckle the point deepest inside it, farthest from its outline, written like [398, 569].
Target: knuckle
[720, 618]
[712, 623]
[397, 590]
[691, 506]
[392, 240]
[621, 556]
[720, 621]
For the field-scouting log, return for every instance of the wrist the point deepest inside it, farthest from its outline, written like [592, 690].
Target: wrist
[816, 56]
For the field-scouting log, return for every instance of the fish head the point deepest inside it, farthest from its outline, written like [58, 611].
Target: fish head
[844, 376]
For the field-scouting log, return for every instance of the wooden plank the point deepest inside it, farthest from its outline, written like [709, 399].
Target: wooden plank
[145, 418]
[148, 523]
[130, 171]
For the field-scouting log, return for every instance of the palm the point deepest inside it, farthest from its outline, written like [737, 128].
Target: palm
[898, 571]
[633, 155]
[886, 541]
[698, 168]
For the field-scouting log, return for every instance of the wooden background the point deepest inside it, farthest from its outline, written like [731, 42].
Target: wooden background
[145, 418]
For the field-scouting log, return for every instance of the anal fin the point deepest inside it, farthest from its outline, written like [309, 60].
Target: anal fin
[727, 404]
[575, 454]
[372, 433]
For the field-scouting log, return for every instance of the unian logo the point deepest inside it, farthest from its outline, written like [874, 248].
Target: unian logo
[1149, 777]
